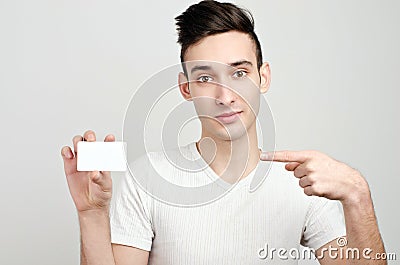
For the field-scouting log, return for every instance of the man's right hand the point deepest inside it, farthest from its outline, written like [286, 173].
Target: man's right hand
[90, 190]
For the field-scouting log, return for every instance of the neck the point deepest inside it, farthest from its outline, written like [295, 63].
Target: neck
[231, 160]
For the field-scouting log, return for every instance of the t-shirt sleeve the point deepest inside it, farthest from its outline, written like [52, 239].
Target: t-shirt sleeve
[324, 223]
[130, 219]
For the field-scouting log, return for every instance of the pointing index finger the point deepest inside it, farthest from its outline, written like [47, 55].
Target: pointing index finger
[285, 156]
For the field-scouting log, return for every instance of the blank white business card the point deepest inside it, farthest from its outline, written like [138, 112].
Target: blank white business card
[101, 156]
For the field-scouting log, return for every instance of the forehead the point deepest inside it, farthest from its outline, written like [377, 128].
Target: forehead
[225, 48]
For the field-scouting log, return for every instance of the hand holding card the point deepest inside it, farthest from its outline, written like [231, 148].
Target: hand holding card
[91, 190]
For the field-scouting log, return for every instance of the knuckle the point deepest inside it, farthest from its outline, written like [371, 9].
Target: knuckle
[312, 179]
[310, 167]
[318, 190]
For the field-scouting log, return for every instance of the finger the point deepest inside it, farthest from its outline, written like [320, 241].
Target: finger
[304, 182]
[300, 171]
[285, 156]
[69, 161]
[75, 141]
[292, 166]
[109, 138]
[89, 136]
[309, 190]
[66, 153]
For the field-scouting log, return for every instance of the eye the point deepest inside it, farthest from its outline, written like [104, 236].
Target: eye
[204, 78]
[239, 74]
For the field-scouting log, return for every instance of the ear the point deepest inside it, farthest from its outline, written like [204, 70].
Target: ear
[265, 74]
[184, 86]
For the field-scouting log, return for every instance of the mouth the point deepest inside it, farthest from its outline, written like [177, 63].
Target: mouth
[229, 117]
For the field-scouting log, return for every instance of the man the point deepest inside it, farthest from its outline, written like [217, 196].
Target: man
[230, 230]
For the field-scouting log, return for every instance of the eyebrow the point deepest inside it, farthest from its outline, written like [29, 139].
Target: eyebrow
[200, 68]
[207, 67]
[241, 62]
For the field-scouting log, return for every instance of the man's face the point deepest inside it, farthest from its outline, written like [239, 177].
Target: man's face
[224, 83]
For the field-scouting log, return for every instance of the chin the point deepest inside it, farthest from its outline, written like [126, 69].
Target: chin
[230, 133]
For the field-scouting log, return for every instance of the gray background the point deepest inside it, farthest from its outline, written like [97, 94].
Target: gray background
[68, 66]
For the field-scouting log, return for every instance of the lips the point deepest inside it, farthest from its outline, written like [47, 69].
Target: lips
[228, 117]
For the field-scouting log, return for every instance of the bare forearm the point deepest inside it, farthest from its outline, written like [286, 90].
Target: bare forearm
[362, 229]
[95, 238]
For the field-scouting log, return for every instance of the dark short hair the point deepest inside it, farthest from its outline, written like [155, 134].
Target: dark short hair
[211, 17]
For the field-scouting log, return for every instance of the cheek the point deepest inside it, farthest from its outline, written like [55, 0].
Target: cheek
[251, 101]
[255, 104]
[248, 94]
[203, 105]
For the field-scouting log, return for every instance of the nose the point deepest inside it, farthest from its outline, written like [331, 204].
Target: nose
[224, 95]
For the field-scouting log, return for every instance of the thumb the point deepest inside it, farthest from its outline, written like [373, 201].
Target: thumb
[100, 178]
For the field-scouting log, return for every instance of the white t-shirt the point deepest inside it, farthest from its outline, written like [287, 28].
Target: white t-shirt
[230, 230]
